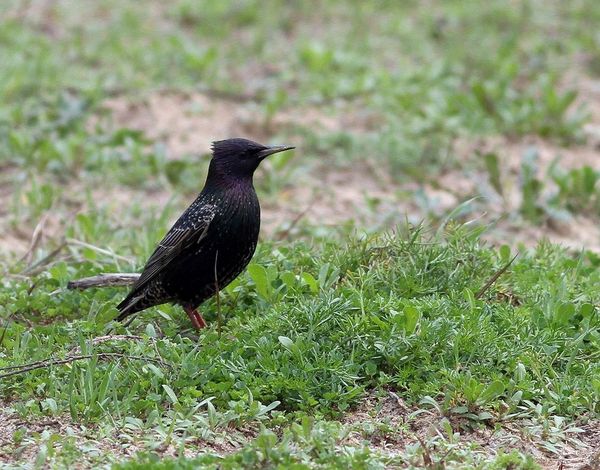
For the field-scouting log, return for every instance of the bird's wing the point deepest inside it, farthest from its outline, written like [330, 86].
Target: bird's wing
[190, 229]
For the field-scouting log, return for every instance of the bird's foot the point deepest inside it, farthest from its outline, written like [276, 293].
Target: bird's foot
[198, 321]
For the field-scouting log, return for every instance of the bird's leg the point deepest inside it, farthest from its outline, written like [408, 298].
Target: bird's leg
[197, 320]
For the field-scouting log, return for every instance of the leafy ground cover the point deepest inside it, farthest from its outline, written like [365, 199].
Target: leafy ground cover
[435, 141]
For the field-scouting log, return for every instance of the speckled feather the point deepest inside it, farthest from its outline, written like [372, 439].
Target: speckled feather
[218, 232]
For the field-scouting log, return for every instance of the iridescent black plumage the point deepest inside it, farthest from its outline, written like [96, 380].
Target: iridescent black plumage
[213, 240]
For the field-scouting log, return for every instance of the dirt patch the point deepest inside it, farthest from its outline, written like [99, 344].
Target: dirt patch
[510, 152]
[502, 212]
[588, 97]
[326, 198]
[40, 15]
[390, 427]
[12, 245]
[578, 233]
[48, 229]
[188, 123]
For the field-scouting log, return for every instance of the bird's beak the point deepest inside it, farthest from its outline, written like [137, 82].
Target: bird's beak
[274, 149]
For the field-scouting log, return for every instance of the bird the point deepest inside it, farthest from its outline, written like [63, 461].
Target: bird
[214, 239]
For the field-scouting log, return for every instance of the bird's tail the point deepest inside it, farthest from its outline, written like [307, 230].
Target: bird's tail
[129, 306]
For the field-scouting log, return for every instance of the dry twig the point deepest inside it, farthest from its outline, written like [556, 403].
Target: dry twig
[495, 277]
[35, 239]
[97, 249]
[38, 266]
[104, 280]
[285, 233]
[23, 368]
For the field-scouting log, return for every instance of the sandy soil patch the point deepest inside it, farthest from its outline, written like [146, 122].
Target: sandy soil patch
[588, 97]
[502, 212]
[187, 123]
[510, 152]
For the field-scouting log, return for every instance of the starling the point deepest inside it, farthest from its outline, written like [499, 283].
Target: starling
[213, 240]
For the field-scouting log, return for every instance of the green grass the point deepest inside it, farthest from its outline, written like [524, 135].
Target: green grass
[330, 318]
[303, 337]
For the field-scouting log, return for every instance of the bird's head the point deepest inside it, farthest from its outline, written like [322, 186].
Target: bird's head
[238, 158]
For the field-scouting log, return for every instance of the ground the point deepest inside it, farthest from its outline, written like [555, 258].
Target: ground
[434, 140]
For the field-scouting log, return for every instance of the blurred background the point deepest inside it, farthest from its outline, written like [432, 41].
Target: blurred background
[486, 113]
